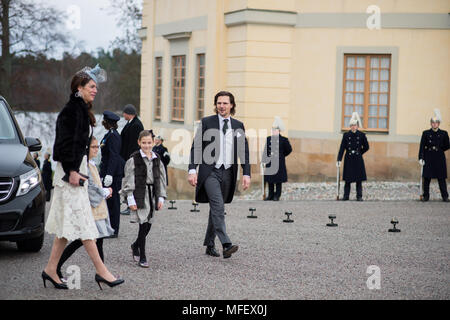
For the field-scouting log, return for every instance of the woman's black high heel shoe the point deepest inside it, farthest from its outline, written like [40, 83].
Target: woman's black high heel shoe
[46, 277]
[114, 283]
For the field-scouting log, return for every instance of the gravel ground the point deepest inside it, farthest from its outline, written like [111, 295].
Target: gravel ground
[372, 190]
[275, 260]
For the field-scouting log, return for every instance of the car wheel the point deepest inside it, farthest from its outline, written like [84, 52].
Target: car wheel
[31, 245]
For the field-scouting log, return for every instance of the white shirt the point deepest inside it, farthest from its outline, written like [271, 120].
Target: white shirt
[130, 199]
[226, 144]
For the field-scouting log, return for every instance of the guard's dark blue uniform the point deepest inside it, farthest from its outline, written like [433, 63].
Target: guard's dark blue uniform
[280, 152]
[433, 145]
[354, 144]
[112, 164]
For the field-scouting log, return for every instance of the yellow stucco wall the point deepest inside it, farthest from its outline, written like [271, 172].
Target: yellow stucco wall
[404, 6]
[175, 10]
[259, 72]
[422, 83]
[293, 72]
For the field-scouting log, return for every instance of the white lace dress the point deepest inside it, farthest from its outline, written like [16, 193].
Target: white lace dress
[70, 213]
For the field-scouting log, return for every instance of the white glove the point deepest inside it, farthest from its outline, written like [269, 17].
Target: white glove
[421, 162]
[106, 192]
[338, 164]
[107, 181]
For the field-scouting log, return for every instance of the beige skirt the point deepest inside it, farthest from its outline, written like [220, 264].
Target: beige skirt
[70, 215]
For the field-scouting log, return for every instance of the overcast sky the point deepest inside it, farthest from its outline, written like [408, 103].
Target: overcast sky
[95, 25]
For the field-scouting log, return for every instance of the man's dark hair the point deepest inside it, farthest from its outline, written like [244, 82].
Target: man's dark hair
[225, 94]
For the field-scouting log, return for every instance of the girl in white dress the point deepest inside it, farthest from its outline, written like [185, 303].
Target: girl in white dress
[97, 196]
[70, 215]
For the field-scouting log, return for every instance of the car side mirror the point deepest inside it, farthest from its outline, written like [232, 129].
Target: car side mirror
[33, 144]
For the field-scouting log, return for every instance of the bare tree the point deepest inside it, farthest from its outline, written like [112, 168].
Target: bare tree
[29, 28]
[129, 17]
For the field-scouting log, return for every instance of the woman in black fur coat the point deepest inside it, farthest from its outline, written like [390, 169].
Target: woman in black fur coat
[70, 216]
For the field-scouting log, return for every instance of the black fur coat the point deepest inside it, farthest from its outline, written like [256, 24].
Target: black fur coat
[72, 134]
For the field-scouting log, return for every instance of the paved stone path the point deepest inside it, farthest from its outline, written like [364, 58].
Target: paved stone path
[276, 260]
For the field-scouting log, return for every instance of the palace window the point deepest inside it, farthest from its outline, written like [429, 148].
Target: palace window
[200, 86]
[158, 86]
[178, 85]
[366, 90]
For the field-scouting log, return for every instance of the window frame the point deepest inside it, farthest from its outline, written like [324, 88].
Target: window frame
[200, 111]
[158, 108]
[178, 100]
[366, 93]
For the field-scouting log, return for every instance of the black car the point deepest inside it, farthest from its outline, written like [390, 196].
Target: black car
[22, 193]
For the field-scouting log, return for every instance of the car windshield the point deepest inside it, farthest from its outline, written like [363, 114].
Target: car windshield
[8, 132]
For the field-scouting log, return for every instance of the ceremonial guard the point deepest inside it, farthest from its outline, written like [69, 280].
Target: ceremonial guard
[111, 167]
[354, 143]
[276, 150]
[432, 149]
[163, 153]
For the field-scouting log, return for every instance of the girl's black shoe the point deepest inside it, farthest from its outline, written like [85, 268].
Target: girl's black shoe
[114, 283]
[143, 263]
[135, 252]
[46, 277]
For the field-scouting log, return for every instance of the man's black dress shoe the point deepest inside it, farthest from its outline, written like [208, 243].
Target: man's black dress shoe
[344, 199]
[276, 198]
[359, 199]
[211, 251]
[445, 200]
[228, 251]
[268, 199]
